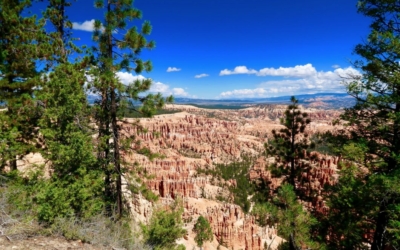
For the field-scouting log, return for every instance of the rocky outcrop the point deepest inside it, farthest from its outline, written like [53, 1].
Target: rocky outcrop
[260, 112]
[196, 139]
[231, 227]
[320, 171]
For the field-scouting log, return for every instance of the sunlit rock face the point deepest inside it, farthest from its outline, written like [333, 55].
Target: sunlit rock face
[196, 138]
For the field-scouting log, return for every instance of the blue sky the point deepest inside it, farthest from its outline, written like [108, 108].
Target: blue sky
[243, 48]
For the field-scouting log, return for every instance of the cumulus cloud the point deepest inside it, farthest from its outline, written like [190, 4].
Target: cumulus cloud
[297, 71]
[127, 78]
[348, 72]
[173, 69]
[85, 26]
[237, 70]
[156, 87]
[310, 82]
[201, 76]
[159, 87]
[336, 66]
[258, 92]
[179, 92]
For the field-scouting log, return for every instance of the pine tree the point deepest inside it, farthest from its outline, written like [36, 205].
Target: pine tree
[74, 188]
[290, 143]
[375, 119]
[119, 47]
[165, 227]
[294, 222]
[21, 46]
[203, 231]
[350, 205]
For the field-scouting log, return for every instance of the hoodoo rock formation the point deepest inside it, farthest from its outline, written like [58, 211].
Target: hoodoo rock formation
[232, 228]
[198, 138]
[195, 139]
[322, 170]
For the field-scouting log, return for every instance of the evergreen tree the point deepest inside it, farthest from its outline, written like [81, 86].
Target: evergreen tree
[203, 231]
[294, 222]
[290, 143]
[350, 203]
[374, 122]
[75, 185]
[165, 227]
[21, 46]
[118, 49]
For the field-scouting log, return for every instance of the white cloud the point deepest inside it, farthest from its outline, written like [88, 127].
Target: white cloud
[348, 72]
[244, 93]
[127, 78]
[173, 69]
[179, 92]
[318, 81]
[160, 87]
[260, 92]
[164, 89]
[156, 87]
[297, 71]
[85, 26]
[237, 70]
[201, 76]
[336, 66]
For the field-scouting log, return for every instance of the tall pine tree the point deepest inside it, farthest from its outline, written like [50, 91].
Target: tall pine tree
[74, 188]
[119, 47]
[374, 124]
[289, 143]
[21, 46]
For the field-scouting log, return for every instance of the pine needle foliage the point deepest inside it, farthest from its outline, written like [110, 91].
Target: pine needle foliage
[290, 143]
[294, 222]
[74, 188]
[373, 124]
[165, 227]
[119, 44]
[350, 203]
[22, 42]
[244, 188]
[203, 231]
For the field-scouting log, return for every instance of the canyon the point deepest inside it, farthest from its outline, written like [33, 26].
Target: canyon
[196, 138]
[192, 139]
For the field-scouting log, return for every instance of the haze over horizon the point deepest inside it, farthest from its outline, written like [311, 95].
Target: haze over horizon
[225, 49]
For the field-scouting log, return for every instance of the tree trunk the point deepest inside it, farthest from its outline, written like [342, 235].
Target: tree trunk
[13, 164]
[382, 221]
[114, 128]
[292, 243]
[117, 165]
[105, 153]
[292, 152]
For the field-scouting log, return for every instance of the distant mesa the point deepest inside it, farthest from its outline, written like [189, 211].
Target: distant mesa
[320, 100]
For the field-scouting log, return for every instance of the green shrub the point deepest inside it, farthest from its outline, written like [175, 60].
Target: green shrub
[79, 195]
[203, 231]
[239, 171]
[19, 218]
[265, 214]
[60, 198]
[165, 228]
